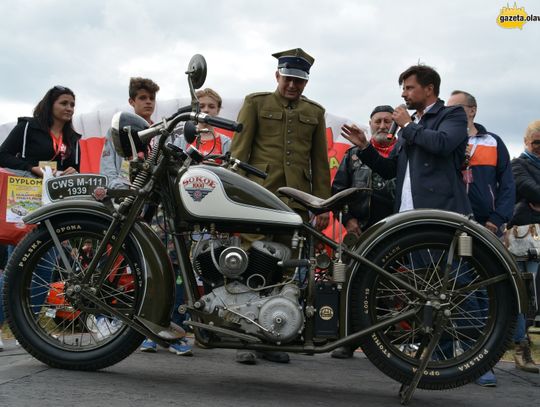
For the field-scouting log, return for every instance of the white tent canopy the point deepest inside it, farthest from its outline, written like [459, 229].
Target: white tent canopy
[96, 123]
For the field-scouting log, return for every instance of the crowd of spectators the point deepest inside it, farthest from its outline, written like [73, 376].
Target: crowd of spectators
[440, 158]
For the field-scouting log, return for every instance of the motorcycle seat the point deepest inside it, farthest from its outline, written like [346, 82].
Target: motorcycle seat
[318, 205]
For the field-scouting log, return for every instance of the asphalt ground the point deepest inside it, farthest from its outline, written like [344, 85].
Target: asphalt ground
[212, 378]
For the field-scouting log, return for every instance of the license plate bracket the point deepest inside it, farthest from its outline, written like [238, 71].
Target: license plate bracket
[75, 185]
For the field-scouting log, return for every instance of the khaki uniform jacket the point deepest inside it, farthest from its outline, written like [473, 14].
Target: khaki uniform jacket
[287, 140]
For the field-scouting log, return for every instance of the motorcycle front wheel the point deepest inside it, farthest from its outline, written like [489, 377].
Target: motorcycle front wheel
[43, 308]
[480, 321]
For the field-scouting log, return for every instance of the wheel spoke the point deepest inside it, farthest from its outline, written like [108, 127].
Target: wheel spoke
[422, 268]
[73, 326]
[483, 283]
[459, 315]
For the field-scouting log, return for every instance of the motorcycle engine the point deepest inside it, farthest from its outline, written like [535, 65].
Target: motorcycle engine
[278, 317]
[241, 287]
[217, 260]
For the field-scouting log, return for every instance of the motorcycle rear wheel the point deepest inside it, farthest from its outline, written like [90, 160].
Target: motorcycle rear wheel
[479, 328]
[64, 330]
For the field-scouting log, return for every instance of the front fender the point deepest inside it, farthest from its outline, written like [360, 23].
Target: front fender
[399, 223]
[68, 206]
[158, 298]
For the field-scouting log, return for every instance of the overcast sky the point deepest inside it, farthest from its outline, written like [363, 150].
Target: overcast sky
[360, 48]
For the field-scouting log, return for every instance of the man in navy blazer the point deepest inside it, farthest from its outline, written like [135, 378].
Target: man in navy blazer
[428, 161]
[428, 158]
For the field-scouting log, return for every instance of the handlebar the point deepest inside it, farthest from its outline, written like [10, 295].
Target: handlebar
[219, 122]
[251, 169]
[184, 114]
[146, 135]
[227, 159]
[185, 109]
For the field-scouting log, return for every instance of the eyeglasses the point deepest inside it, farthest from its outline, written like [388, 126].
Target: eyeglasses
[535, 143]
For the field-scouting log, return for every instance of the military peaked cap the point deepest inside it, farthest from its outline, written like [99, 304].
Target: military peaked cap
[294, 62]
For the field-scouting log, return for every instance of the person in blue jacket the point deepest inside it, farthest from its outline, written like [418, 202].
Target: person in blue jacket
[487, 174]
[430, 151]
[487, 171]
[428, 161]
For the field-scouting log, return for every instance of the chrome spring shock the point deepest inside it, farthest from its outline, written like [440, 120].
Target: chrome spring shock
[340, 268]
[141, 179]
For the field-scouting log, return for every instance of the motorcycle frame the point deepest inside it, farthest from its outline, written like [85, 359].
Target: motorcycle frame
[152, 318]
[120, 226]
[158, 310]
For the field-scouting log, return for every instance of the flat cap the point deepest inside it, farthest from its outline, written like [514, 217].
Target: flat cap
[382, 108]
[294, 62]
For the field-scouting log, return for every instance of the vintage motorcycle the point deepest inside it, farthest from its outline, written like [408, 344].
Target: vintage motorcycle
[430, 296]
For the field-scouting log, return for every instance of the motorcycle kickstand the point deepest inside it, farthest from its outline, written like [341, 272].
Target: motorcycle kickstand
[406, 392]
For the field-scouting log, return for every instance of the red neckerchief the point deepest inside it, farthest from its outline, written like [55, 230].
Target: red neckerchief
[383, 150]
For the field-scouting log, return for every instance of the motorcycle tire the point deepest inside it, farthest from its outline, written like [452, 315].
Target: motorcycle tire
[36, 298]
[480, 326]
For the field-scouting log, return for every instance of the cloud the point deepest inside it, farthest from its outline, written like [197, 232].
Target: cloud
[359, 47]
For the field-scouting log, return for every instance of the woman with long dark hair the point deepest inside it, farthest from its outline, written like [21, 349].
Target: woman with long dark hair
[48, 136]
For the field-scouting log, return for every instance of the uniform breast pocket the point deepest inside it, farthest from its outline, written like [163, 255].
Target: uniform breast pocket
[270, 122]
[308, 120]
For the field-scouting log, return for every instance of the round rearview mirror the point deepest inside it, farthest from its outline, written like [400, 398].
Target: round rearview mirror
[197, 71]
[190, 131]
[124, 129]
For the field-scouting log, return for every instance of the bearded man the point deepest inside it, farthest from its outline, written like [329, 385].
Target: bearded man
[378, 202]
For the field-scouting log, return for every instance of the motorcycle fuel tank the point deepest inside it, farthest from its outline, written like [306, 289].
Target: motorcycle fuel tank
[214, 193]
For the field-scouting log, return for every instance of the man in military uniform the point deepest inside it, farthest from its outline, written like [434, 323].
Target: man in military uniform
[284, 134]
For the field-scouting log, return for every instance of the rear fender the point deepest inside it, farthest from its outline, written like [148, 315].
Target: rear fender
[399, 223]
[158, 296]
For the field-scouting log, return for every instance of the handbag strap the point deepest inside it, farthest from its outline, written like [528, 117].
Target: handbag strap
[532, 230]
[517, 236]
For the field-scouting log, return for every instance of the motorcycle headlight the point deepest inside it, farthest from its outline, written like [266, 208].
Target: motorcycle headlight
[124, 129]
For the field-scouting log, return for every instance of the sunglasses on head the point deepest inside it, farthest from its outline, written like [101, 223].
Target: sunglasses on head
[60, 88]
